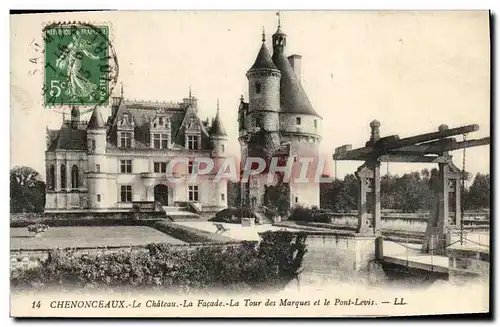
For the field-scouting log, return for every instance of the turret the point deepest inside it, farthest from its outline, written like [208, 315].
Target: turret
[75, 117]
[264, 93]
[96, 169]
[218, 136]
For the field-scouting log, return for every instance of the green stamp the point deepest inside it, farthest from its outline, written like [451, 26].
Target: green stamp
[80, 65]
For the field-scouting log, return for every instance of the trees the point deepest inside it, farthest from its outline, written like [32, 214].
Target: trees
[27, 190]
[408, 193]
[478, 195]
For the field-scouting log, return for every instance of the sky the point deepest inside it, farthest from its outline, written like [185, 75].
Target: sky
[412, 71]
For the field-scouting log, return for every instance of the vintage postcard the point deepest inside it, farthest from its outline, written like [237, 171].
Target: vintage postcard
[250, 163]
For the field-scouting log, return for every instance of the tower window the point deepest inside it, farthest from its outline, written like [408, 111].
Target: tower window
[258, 87]
[298, 120]
[315, 123]
[296, 199]
[63, 176]
[51, 178]
[223, 197]
[98, 198]
[222, 147]
[97, 168]
[257, 121]
[74, 177]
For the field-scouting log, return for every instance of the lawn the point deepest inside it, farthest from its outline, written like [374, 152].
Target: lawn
[64, 237]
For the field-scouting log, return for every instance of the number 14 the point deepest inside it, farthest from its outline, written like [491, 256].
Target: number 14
[35, 304]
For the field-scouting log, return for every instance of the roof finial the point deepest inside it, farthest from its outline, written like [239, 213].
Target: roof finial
[190, 91]
[217, 105]
[279, 18]
[263, 34]
[121, 91]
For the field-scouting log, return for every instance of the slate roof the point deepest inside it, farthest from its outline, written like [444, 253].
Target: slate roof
[96, 121]
[263, 60]
[217, 127]
[69, 139]
[293, 98]
[143, 113]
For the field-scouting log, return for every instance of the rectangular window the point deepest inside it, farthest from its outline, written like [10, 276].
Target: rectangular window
[98, 168]
[160, 167]
[296, 199]
[125, 140]
[190, 166]
[92, 145]
[257, 121]
[222, 148]
[98, 198]
[193, 193]
[126, 166]
[160, 141]
[298, 120]
[315, 123]
[192, 142]
[164, 141]
[126, 193]
[223, 197]
[156, 141]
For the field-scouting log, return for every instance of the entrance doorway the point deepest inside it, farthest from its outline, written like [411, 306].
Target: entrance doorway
[161, 194]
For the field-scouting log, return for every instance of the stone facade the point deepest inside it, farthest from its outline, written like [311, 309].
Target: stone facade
[106, 165]
[278, 117]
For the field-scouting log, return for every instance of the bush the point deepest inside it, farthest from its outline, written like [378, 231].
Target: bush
[189, 234]
[314, 214]
[238, 267]
[233, 215]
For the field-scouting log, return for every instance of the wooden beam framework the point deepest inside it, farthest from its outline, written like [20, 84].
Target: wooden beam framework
[431, 147]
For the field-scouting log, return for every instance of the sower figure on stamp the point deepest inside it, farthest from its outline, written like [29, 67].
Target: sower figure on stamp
[71, 62]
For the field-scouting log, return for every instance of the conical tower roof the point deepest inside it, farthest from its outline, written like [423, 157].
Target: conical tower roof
[217, 127]
[293, 98]
[263, 60]
[96, 121]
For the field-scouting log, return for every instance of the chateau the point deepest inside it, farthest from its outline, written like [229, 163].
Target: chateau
[278, 120]
[107, 165]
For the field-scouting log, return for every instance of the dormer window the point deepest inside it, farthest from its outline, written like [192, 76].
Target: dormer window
[125, 139]
[192, 142]
[160, 121]
[258, 87]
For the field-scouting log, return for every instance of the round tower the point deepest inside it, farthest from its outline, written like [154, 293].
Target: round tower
[300, 125]
[218, 138]
[264, 93]
[96, 176]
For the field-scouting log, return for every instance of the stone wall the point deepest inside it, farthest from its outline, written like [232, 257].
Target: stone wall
[335, 257]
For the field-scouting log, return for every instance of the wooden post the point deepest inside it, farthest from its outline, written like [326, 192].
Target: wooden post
[364, 175]
[458, 203]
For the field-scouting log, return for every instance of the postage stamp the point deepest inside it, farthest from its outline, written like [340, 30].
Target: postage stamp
[252, 164]
[77, 64]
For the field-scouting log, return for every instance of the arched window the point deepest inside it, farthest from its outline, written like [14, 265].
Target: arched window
[74, 177]
[51, 178]
[257, 87]
[63, 176]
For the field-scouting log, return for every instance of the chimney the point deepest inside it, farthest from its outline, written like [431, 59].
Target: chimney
[295, 62]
